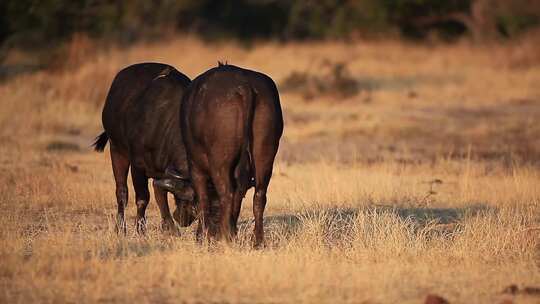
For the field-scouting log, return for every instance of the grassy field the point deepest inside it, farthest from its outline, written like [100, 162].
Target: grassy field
[425, 181]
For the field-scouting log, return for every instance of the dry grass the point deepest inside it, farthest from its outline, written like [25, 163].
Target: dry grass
[354, 213]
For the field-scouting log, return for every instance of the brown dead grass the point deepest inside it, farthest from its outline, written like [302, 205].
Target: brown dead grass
[354, 214]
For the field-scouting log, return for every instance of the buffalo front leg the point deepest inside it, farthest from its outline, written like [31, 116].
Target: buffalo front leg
[142, 197]
[167, 223]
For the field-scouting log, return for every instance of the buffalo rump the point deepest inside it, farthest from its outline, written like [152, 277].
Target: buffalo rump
[231, 123]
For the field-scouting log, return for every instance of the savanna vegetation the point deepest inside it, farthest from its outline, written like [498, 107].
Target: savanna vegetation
[406, 168]
[423, 181]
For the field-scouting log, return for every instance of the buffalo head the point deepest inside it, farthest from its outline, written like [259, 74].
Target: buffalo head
[185, 213]
[184, 196]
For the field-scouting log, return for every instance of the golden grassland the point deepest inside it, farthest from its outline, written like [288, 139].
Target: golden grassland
[425, 182]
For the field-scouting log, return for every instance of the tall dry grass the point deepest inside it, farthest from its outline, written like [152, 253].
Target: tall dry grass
[430, 185]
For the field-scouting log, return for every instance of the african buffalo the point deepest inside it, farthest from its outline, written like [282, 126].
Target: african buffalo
[141, 121]
[231, 123]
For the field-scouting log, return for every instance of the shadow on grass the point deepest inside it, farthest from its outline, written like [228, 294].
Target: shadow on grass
[338, 222]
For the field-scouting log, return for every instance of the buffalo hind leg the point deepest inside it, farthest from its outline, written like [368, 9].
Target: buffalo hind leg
[120, 166]
[263, 159]
[259, 203]
[200, 185]
[237, 207]
[142, 197]
[167, 222]
[244, 180]
[222, 179]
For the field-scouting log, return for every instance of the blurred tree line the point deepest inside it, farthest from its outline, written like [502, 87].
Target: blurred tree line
[25, 23]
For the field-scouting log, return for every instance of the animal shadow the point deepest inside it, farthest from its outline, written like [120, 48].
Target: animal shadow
[337, 223]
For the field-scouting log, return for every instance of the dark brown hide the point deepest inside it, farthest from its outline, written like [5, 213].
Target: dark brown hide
[141, 121]
[232, 123]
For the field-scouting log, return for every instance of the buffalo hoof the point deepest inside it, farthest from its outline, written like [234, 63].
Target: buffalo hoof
[203, 235]
[140, 224]
[168, 227]
[120, 227]
[258, 243]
